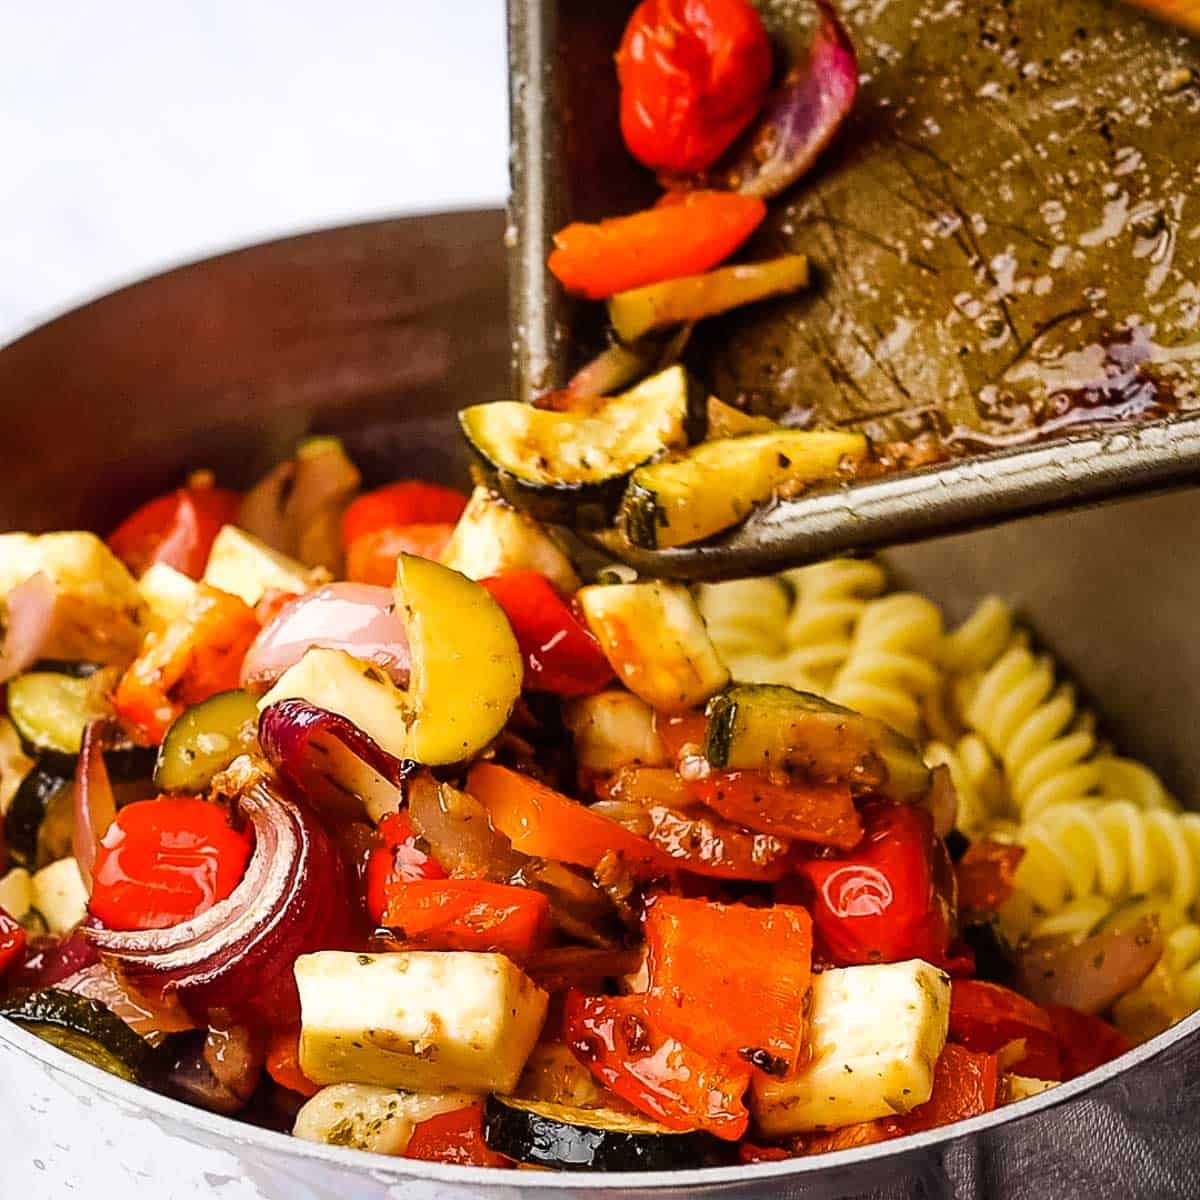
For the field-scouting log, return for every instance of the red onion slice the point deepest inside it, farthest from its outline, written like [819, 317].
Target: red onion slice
[337, 767]
[238, 954]
[358, 618]
[152, 1021]
[95, 804]
[800, 119]
[29, 618]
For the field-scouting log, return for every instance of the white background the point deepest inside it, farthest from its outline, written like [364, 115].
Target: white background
[136, 134]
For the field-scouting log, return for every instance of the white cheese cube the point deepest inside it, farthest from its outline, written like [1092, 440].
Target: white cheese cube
[426, 1021]
[241, 564]
[98, 610]
[876, 1034]
[368, 1117]
[59, 895]
[16, 893]
[1019, 1087]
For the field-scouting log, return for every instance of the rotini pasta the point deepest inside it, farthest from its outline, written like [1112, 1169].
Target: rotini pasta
[893, 661]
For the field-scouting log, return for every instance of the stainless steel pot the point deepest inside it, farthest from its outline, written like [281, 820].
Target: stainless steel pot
[379, 331]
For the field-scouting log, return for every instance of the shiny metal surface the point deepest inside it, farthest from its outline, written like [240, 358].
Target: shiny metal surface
[1004, 229]
[380, 331]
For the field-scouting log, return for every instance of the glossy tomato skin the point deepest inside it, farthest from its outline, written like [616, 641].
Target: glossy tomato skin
[12, 942]
[398, 860]
[177, 529]
[889, 899]
[164, 861]
[693, 75]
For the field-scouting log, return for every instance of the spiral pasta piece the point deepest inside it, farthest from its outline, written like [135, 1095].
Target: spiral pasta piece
[893, 661]
[746, 617]
[1182, 957]
[1125, 779]
[980, 639]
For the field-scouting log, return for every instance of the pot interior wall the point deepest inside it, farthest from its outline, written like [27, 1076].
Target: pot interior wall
[381, 331]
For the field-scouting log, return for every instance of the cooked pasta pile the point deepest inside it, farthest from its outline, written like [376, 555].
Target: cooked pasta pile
[1105, 842]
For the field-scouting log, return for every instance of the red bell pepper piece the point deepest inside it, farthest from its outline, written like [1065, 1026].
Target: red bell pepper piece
[193, 658]
[467, 914]
[398, 860]
[987, 1017]
[884, 901]
[618, 1040]
[177, 529]
[693, 74]
[455, 1137]
[12, 942]
[372, 557]
[679, 731]
[546, 824]
[561, 654]
[965, 1084]
[822, 813]
[408, 502]
[164, 861]
[708, 984]
[1086, 1042]
[985, 875]
[699, 232]
[283, 1062]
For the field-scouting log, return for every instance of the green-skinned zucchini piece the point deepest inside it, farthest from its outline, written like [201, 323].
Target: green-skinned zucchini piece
[205, 739]
[51, 709]
[719, 483]
[766, 726]
[28, 810]
[694, 297]
[594, 1139]
[571, 467]
[87, 1030]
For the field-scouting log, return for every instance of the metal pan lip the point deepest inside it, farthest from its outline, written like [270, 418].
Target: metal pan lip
[234, 1134]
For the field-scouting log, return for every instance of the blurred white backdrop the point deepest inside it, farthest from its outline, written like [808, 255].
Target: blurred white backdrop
[135, 135]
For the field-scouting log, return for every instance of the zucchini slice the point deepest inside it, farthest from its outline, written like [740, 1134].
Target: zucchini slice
[27, 811]
[594, 1139]
[763, 726]
[571, 467]
[87, 1030]
[715, 485]
[656, 641]
[205, 739]
[51, 709]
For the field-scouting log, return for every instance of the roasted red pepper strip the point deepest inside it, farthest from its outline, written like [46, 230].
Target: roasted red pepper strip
[409, 502]
[693, 74]
[987, 1017]
[985, 875]
[177, 529]
[195, 657]
[561, 654]
[398, 860]
[708, 985]
[12, 942]
[283, 1062]
[821, 813]
[699, 232]
[455, 1137]
[546, 824]
[617, 1039]
[1086, 1042]
[372, 557]
[884, 901]
[164, 861]
[467, 914]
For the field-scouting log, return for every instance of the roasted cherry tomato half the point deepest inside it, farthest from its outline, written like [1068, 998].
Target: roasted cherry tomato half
[693, 75]
[888, 899]
[398, 860]
[12, 942]
[408, 502]
[164, 861]
[177, 529]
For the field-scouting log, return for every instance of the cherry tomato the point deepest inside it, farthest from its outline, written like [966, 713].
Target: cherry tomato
[693, 74]
[987, 1017]
[177, 529]
[164, 861]
[408, 502]
[12, 942]
[1086, 1042]
[398, 860]
[371, 558]
[985, 875]
[618, 1041]
[886, 900]
[560, 653]
[455, 1137]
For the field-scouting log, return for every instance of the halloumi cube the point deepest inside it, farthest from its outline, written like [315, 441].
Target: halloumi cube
[1020, 1087]
[423, 1020]
[59, 894]
[876, 1033]
[16, 893]
[167, 593]
[98, 610]
[368, 1117]
[242, 564]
